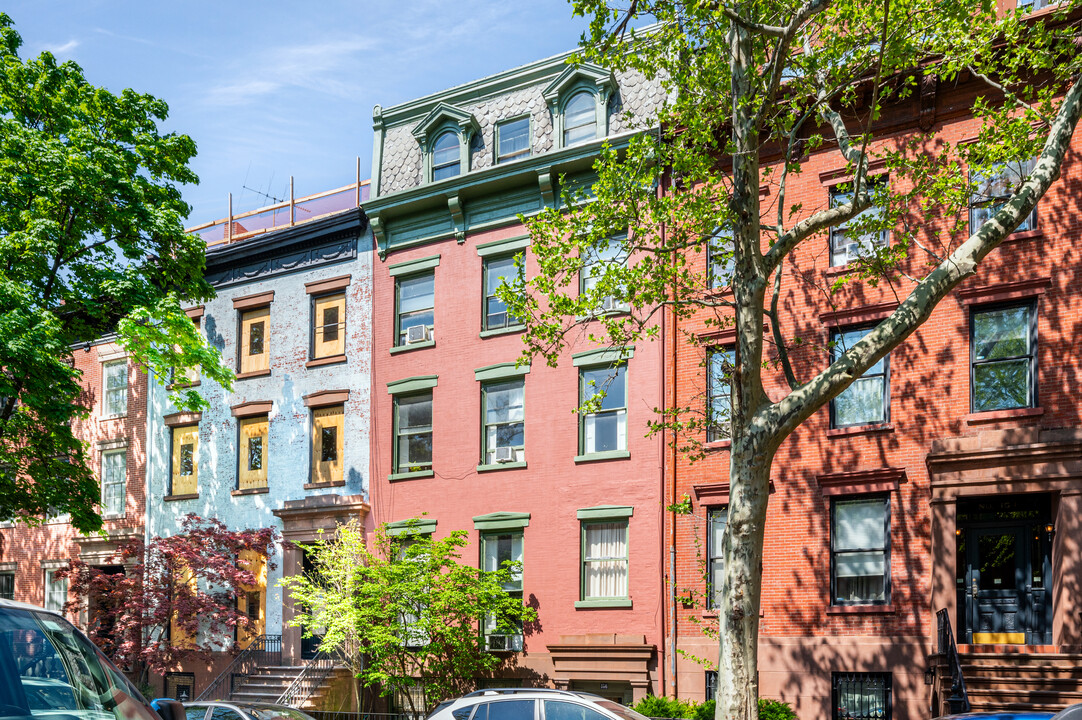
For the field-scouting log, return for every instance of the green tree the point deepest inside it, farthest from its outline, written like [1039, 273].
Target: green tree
[91, 242]
[755, 87]
[410, 608]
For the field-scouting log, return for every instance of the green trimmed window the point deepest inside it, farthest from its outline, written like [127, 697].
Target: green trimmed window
[580, 118]
[497, 549]
[413, 433]
[504, 421]
[604, 560]
[445, 156]
[513, 139]
[597, 263]
[604, 427]
[498, 270]
[415, 303]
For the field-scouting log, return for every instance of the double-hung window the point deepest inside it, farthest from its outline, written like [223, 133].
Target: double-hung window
[513, 139]
[253, 458]
[604, 561]
[115, 380]
[867, 400]
[114, 476]
[861, 696]
[719, 394]
[185, 460]
[600, 261]
[854, 238]
[498, 271]
[445, 156]
[56, 592]
[328, 326]
[496, 550]
[860, 551]
[254, 340]
[990, 190]
[7, 586]
[603, 423]
[716, 519]
[504, 421]
[719, 259]
[1003, 357]
[580, 118]
[327, 440]
[415, 300]
[413, 433]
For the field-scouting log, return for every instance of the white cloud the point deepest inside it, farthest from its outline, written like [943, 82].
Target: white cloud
[62, 50]
[327, 67]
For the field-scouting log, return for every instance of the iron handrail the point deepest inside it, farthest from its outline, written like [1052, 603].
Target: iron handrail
[255, 655]
[959, 698]
[310, 678]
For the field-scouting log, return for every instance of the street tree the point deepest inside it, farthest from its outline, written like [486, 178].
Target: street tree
[91, 242]
[176, 598]
[410, 608]
[754, 89]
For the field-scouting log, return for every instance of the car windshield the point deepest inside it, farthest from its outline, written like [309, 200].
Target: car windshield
[47, 666]
[624, 712]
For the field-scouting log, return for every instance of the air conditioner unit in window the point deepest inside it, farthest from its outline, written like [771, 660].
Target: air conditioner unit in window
[608, 303]
[416, 334]
[505, 454]
[504, 643]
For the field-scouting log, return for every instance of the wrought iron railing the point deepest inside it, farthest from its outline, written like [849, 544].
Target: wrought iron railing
[948, 650]
[264, 651]
[311, 677]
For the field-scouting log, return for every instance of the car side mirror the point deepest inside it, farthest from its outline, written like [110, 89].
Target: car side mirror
[169, 709]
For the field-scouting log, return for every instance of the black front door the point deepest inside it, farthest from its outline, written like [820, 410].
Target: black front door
[309, 645]
[1004, 562]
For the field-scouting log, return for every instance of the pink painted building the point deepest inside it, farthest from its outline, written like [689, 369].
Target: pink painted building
[464, 439]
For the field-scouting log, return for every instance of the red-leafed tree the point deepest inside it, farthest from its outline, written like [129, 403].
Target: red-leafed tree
[178, 597]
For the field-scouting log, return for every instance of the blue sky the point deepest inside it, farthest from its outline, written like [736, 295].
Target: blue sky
[272, 89]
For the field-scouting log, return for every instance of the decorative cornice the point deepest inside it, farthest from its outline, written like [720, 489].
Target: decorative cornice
[501, 521]
[501, 371]
[326, 397]
[247, 302]
[603, 356]
[319, 287]
[181, 419]
[415, 526]
[252, 408]
[595, 75]
[857, 315]
[412, 384]
[717, 493]
[1000, 292]
[446, 113]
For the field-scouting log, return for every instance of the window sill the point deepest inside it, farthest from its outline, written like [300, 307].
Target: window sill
[603, 603]
[253, 374]
[320, 486]
[598, 457]
[717, 445]
[329, 360]
[838, 270]
[414, 346]
[502, 466]
[112, 417]
[860, 430]
[410, 475]
[175, 498]
[250, 491]
[1024, 235]
[997, 415]
[887, 609]
[121, 516]
[509, 330]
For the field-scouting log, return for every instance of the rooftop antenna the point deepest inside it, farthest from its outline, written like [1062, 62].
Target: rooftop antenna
[260, 192]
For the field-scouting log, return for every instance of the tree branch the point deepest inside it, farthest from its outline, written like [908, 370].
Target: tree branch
[781, 53]
[775, 329]
[787, 414]
[760, 28]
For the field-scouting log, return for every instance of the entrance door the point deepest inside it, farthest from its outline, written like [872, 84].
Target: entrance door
[310, 645]
[996, 582]
[1004, 564]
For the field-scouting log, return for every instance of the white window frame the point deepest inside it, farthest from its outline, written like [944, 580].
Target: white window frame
[56, 591]
[106, 481]
[107, 370]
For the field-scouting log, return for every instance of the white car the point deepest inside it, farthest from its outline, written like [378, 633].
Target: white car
[532, 704]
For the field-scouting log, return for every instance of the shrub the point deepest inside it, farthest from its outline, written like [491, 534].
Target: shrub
[774, 710]
[663, 707]
[706, 711]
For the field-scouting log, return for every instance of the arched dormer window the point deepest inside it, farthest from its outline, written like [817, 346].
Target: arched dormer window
[579, 100]
[580, 118]
[446, 155]
[444, 136]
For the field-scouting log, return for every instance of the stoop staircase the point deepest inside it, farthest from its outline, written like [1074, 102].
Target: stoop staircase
[1013, 680]
[266, 684]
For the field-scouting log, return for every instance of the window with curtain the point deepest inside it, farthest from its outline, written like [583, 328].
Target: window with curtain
[604, 560]
[860, 551]
[861, 696]
[716, 518]
[867, 400]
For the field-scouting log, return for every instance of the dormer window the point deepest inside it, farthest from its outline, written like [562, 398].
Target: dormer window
[580, 118]
[444, 136]
[445, 156]
[578, 99]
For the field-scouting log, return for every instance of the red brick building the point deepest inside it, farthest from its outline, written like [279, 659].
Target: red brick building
[949, 478]
[115, 390]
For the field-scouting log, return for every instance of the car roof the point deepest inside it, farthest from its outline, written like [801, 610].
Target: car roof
[15, 605]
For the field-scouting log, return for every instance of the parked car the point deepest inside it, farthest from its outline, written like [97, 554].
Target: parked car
[532, 704]
[48, 669]
[1072, 712]
[242, 711]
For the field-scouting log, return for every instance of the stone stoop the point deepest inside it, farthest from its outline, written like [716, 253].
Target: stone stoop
[267, 683]
[1000, 681]
[325, 696]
